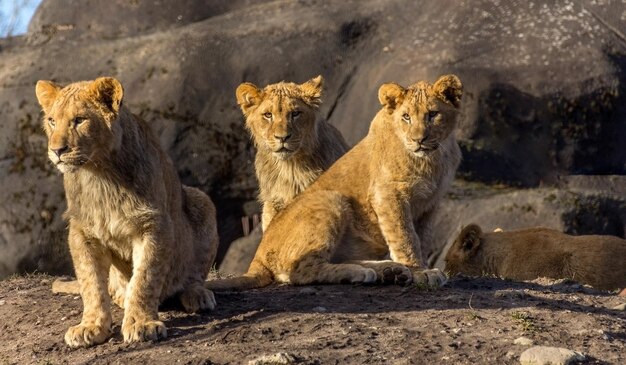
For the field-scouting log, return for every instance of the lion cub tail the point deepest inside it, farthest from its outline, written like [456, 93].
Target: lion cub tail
[60, 286]
[257, 277]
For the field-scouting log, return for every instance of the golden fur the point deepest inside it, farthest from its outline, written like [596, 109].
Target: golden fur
[127, 211]
[293, 146]
[530, 253]
[363, 207]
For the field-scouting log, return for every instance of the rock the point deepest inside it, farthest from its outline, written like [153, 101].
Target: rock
[280, 358]
[240, 253]
[524, 341]
[620, 307]
[544, 355]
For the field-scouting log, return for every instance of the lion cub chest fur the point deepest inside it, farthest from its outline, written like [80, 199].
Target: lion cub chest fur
[109, 212]
[293, 145]
[530, 253]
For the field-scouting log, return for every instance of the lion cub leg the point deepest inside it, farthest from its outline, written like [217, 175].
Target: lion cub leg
[396, 224]
[200, 212]
[141, 317]
[328, 214]
[91, 264]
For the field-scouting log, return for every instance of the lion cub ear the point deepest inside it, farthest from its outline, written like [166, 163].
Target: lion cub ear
[248, 95]
[312, 90]
[391, 95]
[469, 239]
[449, 89]
[47, 92]
[109, 92]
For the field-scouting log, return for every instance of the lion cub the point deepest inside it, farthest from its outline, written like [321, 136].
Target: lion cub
[293, 146]
[127, 211]
[363, 207]
[530, 253]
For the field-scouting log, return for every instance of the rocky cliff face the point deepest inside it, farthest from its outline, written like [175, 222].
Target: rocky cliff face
[544, 94]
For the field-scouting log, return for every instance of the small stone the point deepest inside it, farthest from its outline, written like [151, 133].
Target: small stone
[544, 355]
[524, 341]
[620, 307]
[308, 291]
[2, 302]
[280, 358]
[319, 309]
[510, 294]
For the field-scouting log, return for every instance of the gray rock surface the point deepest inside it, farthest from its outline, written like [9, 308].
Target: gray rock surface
[544, 81]
[544, 355]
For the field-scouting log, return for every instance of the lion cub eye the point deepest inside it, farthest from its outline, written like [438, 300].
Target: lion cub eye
[432, 114]
[51, 122]
[406, 117]
[295, 114]
[267, 116]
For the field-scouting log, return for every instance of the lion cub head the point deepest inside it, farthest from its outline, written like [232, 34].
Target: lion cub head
[424, 114]
[79, 120]
[281, 117]
[462, 255]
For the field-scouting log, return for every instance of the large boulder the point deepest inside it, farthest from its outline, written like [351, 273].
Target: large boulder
[544, 88]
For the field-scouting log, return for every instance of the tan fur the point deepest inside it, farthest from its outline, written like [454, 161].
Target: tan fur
[363, 207]
[131, 222]
[293, 146]
[530, 253]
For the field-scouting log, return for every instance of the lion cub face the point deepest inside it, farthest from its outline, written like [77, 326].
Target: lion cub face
[424, 114]
[461, 256]
[79, 120]
[281, 117]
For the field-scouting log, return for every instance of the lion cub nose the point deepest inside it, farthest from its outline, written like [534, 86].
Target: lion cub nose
[284, 138]
[60, 151]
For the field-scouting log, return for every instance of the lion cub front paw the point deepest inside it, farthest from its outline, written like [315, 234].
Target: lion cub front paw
[395, 273]
[85, 335]
[197, 298]
[434, 278]
[136, 331]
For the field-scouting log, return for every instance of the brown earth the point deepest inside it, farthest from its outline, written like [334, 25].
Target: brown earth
[470, 321]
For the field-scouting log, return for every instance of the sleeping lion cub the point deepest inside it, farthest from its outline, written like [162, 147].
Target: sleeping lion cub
[530, 253]
[293, 146]
[363, 206]
[127, 211]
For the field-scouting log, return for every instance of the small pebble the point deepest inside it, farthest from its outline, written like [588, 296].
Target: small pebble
[2, 302]
[620, 307]
[524, 341]
[510, 294]
[544, 355]
[280, 358]
[308, 290]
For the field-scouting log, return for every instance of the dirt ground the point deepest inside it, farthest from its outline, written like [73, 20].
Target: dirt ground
[470, 321]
